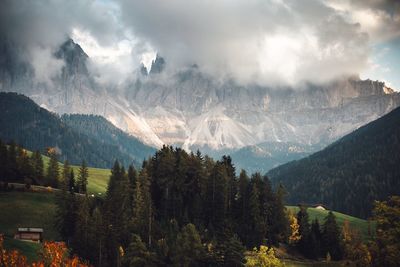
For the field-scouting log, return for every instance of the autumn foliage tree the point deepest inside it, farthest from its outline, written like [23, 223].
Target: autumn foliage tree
[53, 254]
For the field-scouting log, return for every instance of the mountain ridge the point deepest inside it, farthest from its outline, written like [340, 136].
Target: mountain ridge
[193, 110]
[351, 173]
[24, 122]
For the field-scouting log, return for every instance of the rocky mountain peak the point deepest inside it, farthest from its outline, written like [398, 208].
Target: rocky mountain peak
[158, 65]
[74, 57]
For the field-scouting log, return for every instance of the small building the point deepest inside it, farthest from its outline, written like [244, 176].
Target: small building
[29, 234]
[315, 206]
[319, 207]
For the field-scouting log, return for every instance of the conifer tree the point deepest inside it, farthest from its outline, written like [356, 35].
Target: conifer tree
[53, 170]
[256, 220]
[137, 255]
[81, 243]
[315, 240]
[66, 209]
[331, 237]
[234, 252]
[189, 250]
[217, 198]
[12, 168]
[38, 166]
[83, 177]
[24, 165]
[143, 208]
[65, 175]
[304, 230]
[3, 161]
[116, 213]
[72, 188]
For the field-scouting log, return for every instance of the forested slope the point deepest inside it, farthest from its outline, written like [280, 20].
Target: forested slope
[352, 172]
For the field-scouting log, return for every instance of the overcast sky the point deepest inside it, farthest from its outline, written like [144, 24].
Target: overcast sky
[258, 41]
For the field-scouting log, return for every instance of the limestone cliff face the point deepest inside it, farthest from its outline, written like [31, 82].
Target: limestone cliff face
[193, 110]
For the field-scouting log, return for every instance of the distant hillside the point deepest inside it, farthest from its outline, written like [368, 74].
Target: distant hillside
[76, 138]
[263, 157]
[105, 132]
[352, 172]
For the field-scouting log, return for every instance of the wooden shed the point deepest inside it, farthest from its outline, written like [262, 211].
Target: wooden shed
[29, 234]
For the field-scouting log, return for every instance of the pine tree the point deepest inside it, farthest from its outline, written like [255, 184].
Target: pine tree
[66, 209]
[217, 199]
[38, 166]
[12, 168]
[81, 242]
[65, 175]
[25, 168]
[256, 220]
[331, 237]
[116, 213]
[137, 255]
[83, 177]
[189, 250]
[53, 171]
[304, 231]
[3, 161]
[72, 188]
[143, 208]
[315, 240]
[234, 252]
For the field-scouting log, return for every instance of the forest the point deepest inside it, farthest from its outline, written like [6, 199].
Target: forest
[184, 209]
[98, 141]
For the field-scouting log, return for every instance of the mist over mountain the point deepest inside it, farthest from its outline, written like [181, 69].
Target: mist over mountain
[194, 110]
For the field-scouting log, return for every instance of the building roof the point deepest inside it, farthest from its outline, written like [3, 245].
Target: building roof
[30, 230]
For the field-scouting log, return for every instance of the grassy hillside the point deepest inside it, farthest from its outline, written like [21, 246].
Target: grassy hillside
[98, 178]
[27, 209]
[361, 225]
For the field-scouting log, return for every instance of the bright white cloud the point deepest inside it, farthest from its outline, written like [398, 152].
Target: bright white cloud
[262, 41]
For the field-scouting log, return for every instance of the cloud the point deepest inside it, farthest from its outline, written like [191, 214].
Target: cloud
[380, 19]
[38, 28]
[266, 41]
[269, 42]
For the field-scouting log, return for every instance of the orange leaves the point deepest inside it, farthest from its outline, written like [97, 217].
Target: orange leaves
[53, 254]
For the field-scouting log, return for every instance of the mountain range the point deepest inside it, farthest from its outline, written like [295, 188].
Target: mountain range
[262, 127]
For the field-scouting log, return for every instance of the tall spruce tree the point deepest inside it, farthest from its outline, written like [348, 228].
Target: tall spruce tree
[53, 171]
[189, 250]
[332, 237]
[83, 177]
[304, 231]
[117, 212]
[143, 208]
[38, 166]
[65, 175]
[72, 188]
[3, 161]
[81, 242]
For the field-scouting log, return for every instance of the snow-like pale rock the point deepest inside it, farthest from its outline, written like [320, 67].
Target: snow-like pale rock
[194, 110]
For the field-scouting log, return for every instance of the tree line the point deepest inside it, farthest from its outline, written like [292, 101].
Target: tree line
[183, 209]
[17, 165]
[179, 208]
